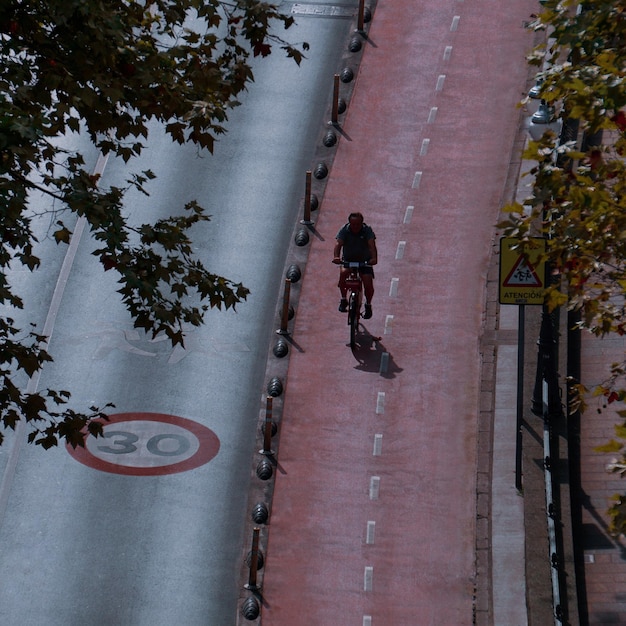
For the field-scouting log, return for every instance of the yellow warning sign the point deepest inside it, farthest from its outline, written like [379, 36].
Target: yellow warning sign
[522, 271]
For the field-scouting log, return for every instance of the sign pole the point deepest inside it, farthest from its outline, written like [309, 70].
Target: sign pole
[520, 397]
[522, 280]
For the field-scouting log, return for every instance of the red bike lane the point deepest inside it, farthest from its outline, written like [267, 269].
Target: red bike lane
[374, 507]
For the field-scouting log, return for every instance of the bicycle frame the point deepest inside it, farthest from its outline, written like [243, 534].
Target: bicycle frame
[354, 295]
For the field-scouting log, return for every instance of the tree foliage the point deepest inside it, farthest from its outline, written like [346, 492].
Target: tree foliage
[109, 69]
[579, 201]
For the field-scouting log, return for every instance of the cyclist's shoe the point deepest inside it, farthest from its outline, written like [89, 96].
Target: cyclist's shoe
[343, 305]
[368, 312]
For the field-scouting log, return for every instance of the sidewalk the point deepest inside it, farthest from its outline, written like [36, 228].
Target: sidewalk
[394, 500]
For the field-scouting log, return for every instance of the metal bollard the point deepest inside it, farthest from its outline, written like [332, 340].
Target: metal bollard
[355, 44]
[254, 560]
[346, 75]
[293, 273]
[307, 200]
[267, 432]
[321, 171]
[284, 318]
[260, 513]
[264, 470]
[302, 237]
[281, 349]
[250, 608]
[361, 18]
[275, 387]
[335, 99]
[260, 560]
[330, 139]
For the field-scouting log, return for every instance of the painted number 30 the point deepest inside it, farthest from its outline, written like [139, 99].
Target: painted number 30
[148, 444]
[124, 442]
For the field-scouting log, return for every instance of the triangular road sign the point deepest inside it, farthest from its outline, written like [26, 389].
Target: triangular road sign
[522, 275]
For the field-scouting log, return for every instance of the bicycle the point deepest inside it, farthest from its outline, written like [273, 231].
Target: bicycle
[354, 295]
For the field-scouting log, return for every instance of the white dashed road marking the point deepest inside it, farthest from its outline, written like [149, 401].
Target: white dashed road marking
[380, 403]
[378, 445]
[374, 487]
[393, 287]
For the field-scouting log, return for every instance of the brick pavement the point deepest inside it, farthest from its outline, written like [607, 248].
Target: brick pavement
[604, 556]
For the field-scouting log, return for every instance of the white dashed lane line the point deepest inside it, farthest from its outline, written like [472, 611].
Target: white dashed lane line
[368, 578]
[388, 324]
[380, 403]
[374, 487]
[378, 445]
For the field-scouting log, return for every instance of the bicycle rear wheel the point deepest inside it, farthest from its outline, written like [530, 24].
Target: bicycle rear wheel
[353, 318]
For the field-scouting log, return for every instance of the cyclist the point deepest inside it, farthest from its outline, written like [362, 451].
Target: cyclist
[358, 242]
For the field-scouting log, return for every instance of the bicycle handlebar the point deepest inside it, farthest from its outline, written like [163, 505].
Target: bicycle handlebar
[353, 264]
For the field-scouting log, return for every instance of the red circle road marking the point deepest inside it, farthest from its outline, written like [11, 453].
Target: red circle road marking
[148, 444]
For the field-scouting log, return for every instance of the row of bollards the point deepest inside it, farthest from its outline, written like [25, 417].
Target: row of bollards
[260, 514]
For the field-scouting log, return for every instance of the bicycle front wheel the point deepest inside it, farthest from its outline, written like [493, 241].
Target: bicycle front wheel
[353, 318]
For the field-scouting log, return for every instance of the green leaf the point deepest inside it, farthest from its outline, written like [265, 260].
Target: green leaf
[115, 75]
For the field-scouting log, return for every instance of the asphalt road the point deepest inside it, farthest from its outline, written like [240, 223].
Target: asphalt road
[98, 544]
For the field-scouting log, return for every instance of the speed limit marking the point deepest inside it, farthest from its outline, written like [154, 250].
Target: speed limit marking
[148, 444]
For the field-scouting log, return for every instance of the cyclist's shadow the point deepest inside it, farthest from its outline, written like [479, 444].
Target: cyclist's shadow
[372, 356]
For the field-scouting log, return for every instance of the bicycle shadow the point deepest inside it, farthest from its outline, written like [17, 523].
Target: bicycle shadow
[372, 356]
